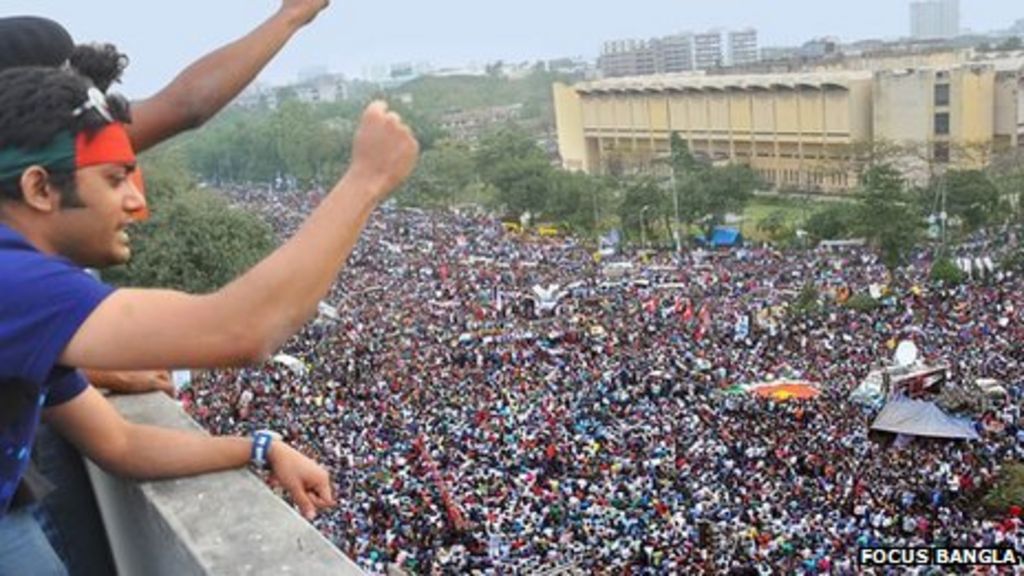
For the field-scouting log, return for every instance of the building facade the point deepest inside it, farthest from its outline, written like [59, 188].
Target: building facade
[677, 53]
[808, 130]
[933, 19]
[743, 48]
[708, 50]
[627, 58]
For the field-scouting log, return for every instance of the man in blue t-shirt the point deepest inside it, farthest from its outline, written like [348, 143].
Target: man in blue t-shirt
[66, 201]
[69, 512]
[187, 102]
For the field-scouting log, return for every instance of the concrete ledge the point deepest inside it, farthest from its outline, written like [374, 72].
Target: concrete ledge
[224, 523]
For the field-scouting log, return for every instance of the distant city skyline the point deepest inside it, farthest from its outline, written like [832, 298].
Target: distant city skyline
[934, 18]
[352, 37]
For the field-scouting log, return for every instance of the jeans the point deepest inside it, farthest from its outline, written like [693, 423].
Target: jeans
[69, 515]
[24, 549]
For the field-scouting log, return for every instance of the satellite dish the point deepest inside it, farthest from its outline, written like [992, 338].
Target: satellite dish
[906, 353]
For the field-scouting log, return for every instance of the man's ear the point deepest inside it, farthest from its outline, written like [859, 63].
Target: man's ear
[36, 190]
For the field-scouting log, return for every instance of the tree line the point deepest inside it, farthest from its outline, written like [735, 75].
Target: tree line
[196, 242]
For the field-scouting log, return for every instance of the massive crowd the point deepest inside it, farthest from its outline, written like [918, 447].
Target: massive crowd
[470, 427]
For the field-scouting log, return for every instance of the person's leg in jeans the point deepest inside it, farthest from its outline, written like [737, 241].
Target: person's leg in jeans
[24, 549]
[69, 515]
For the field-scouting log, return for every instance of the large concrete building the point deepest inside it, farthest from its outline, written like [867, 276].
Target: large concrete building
[807, 130]
[932, 19]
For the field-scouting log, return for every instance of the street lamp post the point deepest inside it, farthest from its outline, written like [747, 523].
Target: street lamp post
[643, 226]
[675, 202]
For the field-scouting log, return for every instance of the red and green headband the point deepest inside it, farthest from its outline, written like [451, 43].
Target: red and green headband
[64, 153]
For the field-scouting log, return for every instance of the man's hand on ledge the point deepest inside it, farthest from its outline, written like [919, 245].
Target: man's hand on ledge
[132, 382]
[306, 481]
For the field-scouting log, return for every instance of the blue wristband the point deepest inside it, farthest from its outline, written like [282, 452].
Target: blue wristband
[261, 441]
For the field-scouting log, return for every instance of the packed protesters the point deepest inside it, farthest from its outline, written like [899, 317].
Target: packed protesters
[470, 429]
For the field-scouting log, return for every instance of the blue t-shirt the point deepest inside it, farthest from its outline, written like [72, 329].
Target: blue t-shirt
[43, 302]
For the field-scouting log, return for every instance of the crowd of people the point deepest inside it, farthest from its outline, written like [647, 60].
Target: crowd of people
[473, 423]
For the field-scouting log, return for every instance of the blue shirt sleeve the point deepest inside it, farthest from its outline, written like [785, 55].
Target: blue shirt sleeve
[65, 384]
[45, 301]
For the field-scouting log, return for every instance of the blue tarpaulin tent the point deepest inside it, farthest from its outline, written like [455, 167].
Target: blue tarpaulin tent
[722, 236]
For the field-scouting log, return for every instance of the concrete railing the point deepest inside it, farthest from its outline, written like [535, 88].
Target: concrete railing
[224, 523]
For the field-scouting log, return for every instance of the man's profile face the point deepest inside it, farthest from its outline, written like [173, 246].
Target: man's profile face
[94, 232]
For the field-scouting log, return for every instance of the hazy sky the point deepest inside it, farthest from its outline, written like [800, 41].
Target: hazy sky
[162, 37]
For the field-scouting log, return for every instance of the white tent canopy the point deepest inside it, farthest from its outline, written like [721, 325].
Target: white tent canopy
[291, 362]
[921, 418]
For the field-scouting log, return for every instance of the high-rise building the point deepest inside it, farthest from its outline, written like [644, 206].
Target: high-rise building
[683, 52]
[627, 58]
[677, 53]
[707, 50]
[743, 47]
[933, 19]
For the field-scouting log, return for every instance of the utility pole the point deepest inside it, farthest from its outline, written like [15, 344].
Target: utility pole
[942, 213]
[643, 226]
[675, 202]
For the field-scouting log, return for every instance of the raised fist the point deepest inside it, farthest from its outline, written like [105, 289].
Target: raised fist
[384, 152]
[303, 11]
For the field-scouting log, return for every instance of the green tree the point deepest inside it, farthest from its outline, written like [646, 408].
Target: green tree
[577, 200]
[644, 202]
[236, 148]
[943, 270]
[807, 302]
[294, 127]
[727, 190]
[194, 241]
[516, 166]
[443, 177]
[706, 193]
[886, 217]
[682, 160]
[862, 303]
[687, 178]
[1007, 173]
[971, 196]
[775, 226]
[836, 221]
[310, 142]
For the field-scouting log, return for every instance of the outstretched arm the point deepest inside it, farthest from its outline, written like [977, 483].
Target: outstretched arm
[250, 318]
[210, 83]
[148, 452]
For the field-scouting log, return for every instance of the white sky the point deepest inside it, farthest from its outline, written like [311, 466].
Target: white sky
[163, 37]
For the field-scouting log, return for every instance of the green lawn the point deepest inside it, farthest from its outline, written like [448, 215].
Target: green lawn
[795, 210]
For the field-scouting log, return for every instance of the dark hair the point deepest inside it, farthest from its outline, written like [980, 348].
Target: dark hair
[36, 104]
[33, 41]
[101, 63]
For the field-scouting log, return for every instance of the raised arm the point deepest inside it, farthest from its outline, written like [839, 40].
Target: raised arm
[251, 317]
[210, 83]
